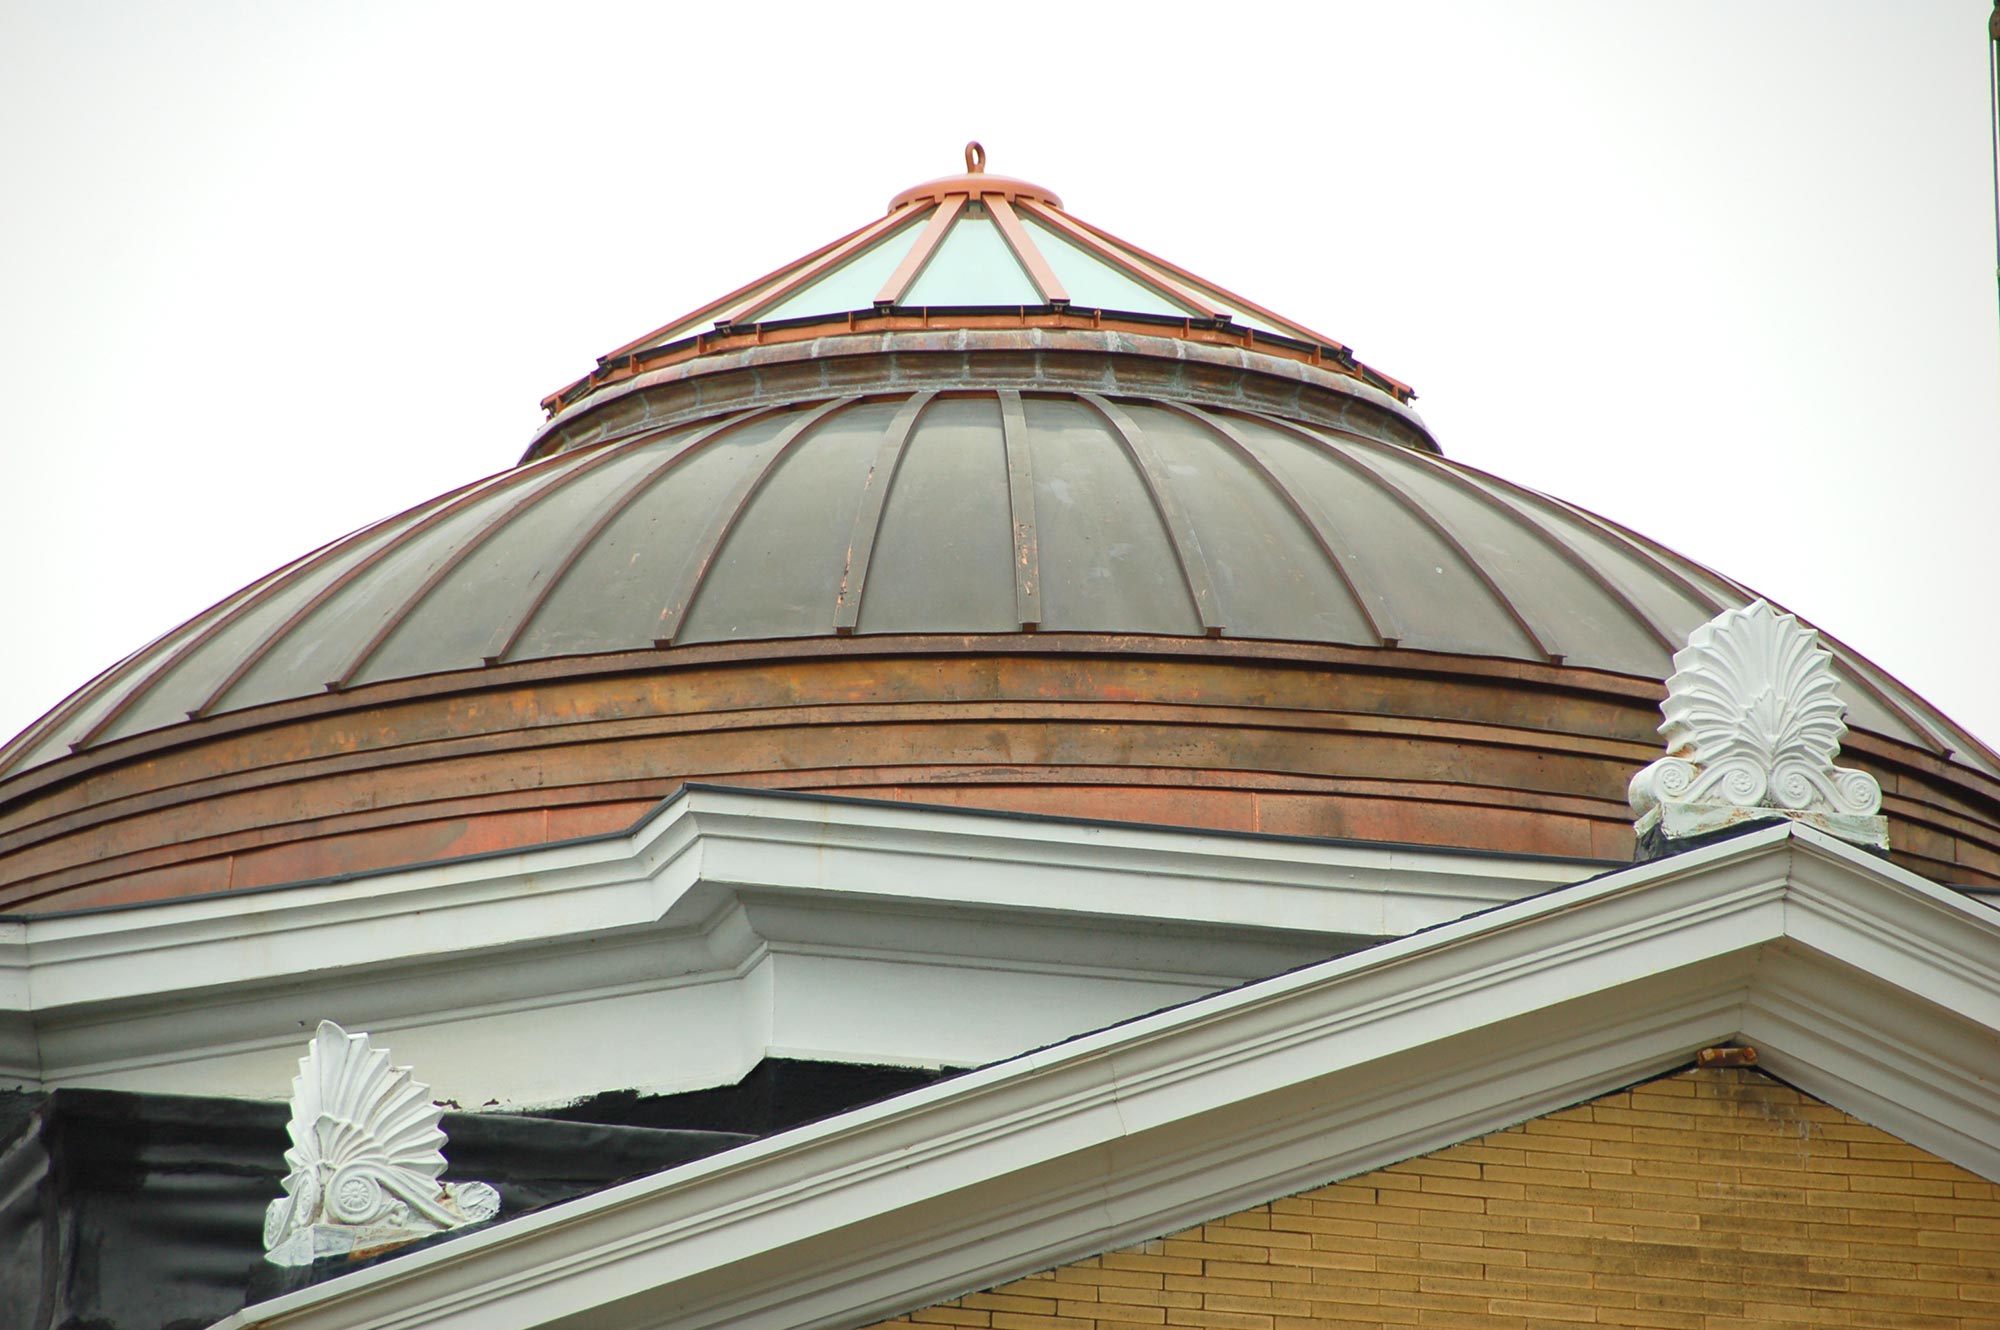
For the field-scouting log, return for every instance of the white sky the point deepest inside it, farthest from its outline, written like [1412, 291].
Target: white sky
[1723, 272]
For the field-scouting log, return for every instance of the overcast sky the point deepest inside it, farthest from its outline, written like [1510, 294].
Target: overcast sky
[1723, 272]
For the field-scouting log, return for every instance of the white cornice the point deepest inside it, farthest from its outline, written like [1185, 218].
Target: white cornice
[755, 912]
[1775, 936]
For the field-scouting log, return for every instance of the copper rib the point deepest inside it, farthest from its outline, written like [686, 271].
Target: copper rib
[1180, 532]
[868, 517]
[255, 596]
[1538, 636]
[740, 293]
[1153, 277]
[1021, 511]
[1561, 548]
[1026, 251]
[1251, 306]
[400, 614]
[805, 277]
[702, 555]
[1939, 743]
[362, 565]
[1372, 604]
[608, 510]
[41, 731]
[1652, 554]
[919, 257]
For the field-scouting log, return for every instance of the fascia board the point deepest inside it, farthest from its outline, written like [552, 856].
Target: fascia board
[670, 870]
[1118, 1134]
[1834, 906]
[1907, 1065]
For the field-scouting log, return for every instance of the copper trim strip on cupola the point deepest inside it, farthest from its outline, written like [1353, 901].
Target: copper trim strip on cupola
[504, 641]
[1295, 328]
[1167, 506]
[919, 257]
[803, 277]
[1204, 307]
[741, 293]
[1026, 252]
[701, 556]
[868, 516]
[1372, 604]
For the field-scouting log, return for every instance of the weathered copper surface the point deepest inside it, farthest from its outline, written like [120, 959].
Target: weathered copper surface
[1151, 293]
[917, 510]
[1096, 563]
[1359, 743]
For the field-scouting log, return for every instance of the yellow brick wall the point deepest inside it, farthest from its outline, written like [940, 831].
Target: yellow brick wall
[1709, 1199]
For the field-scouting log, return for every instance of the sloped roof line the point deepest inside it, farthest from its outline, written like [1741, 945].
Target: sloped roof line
[925, 221]
[1860, 983]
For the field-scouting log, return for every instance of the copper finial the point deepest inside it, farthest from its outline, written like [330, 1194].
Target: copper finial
[975, 158]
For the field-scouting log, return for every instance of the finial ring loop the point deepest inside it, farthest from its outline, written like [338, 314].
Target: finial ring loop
[975, 158]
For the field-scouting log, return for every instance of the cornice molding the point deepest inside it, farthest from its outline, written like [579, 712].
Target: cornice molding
[1288, 1083]
[693, 906]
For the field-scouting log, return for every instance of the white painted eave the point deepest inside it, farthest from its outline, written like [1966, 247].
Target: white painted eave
[1857, 981]
[730, 915]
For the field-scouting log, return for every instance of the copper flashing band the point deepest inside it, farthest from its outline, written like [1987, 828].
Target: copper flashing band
[1180, 532]
[1021, 511]
[919, 257]
[702, 555]
[1026, 251]
[1361, 586]
[868, 516]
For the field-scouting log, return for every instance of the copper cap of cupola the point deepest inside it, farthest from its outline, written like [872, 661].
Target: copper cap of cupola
[980, 505]
[986, 253]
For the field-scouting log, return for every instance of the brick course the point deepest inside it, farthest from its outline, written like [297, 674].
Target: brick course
[1713, 1199]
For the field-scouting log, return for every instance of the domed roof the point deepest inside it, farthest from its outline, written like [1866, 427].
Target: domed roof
[908, 519]
[965, 511]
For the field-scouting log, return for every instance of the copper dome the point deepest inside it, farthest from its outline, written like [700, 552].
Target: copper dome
[1115, 562]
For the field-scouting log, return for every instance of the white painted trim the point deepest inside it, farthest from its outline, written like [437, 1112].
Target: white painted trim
[1289, 1083]
[739, 911]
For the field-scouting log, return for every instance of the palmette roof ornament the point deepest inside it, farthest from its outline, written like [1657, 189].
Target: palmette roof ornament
[1753, 724]
[367, 1152]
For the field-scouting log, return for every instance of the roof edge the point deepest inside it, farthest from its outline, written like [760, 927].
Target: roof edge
[1285, 1084]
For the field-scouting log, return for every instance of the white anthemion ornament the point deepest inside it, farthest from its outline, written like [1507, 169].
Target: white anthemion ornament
[367, 1154]
[1753, 723]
